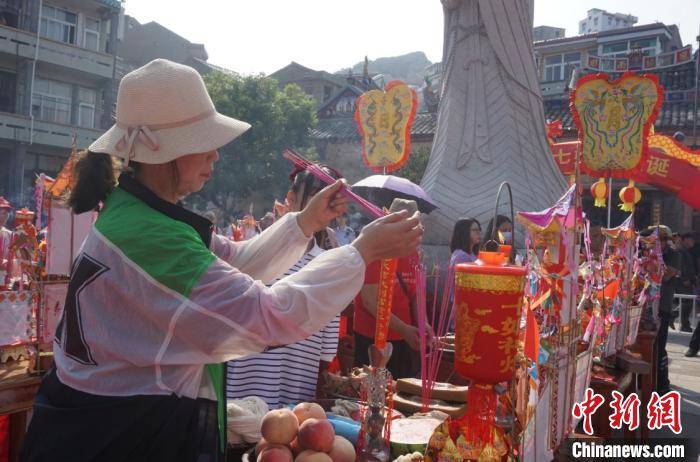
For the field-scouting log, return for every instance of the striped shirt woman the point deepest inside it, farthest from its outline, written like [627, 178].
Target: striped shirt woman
[286, 374]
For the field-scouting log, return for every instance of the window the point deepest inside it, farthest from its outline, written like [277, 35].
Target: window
[327, 91]
[51, 101]
[607, 64]
[58, 24]
[618, 50]
[9, 18]
[86, 107]
[7, 91]
[646, 46]
[571, 61]
[552, 68]
[91, 36]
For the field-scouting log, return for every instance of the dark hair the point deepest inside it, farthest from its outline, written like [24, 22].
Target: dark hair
[305, 185]
[96, 176]
[461, 235]
[500, 219]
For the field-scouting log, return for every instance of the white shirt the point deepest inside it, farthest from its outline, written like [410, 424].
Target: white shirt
[345, 235]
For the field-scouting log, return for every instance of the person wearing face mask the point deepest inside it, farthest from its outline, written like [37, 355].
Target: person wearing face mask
[157, 301]
[504, 230]
[291, 373]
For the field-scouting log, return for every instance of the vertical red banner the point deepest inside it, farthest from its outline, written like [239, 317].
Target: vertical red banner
[387, 278]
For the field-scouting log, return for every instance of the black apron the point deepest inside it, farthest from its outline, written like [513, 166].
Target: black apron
[70, 425]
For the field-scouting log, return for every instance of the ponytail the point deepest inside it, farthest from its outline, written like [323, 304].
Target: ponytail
[96, 175]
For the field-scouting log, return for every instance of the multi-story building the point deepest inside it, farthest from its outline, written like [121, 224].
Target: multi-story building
[599, 20]
[652, 48]
[57, 77]
[320, 85]
[540, 33]
[143, 43]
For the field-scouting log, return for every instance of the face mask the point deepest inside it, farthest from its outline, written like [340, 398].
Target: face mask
[507, 236]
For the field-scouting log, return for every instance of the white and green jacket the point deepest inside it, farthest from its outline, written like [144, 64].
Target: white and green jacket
[155, 296]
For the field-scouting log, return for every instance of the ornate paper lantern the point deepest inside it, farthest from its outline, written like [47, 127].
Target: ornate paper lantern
[488, 299]
[599, 191]
[630, 195]
[613, 120]
[384, 120]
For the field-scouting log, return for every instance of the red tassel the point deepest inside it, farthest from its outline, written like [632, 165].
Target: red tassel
[478, 421]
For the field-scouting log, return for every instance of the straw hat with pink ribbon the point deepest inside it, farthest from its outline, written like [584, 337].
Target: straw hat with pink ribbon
[164, 112]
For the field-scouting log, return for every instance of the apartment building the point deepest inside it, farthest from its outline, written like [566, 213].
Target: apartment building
[598, 20]
[57, 84]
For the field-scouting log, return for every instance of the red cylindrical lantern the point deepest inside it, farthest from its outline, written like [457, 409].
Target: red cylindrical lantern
[630, 195]
[488, 299]
[599, 191]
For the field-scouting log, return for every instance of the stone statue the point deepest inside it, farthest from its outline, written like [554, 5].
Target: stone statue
[491, 125]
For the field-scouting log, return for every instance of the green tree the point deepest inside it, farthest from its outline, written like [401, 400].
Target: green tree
[414, 168]
[253, 162]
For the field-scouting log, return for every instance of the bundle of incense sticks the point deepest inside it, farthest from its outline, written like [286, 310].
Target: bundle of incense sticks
[442, 319]
[421, 285]
[318, 172]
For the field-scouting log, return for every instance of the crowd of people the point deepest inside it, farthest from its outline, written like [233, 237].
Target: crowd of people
[682, 258]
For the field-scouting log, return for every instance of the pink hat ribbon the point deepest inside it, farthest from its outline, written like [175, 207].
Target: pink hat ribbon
[143, 133]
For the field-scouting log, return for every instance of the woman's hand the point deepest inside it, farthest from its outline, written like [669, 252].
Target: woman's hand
[411, 336]
[323, 208]
[395, 235]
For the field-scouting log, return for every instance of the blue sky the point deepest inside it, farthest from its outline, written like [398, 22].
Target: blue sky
[252, 36]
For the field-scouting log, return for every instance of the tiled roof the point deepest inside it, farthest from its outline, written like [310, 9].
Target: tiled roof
[345, 129]
[673, 115]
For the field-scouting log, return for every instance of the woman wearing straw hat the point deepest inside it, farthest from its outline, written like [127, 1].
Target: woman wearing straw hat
[155, 295]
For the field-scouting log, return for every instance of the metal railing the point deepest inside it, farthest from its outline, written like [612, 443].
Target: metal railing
[18, 128]
[694, 298]
[22, 43]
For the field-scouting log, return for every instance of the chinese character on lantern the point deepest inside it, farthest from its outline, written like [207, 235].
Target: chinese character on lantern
[665, 411]
[657, 166]
[624, 411]
[587, 408]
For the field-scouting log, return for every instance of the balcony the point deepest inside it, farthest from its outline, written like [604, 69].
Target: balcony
[17, 128]
[553, 88]
[20, 43]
